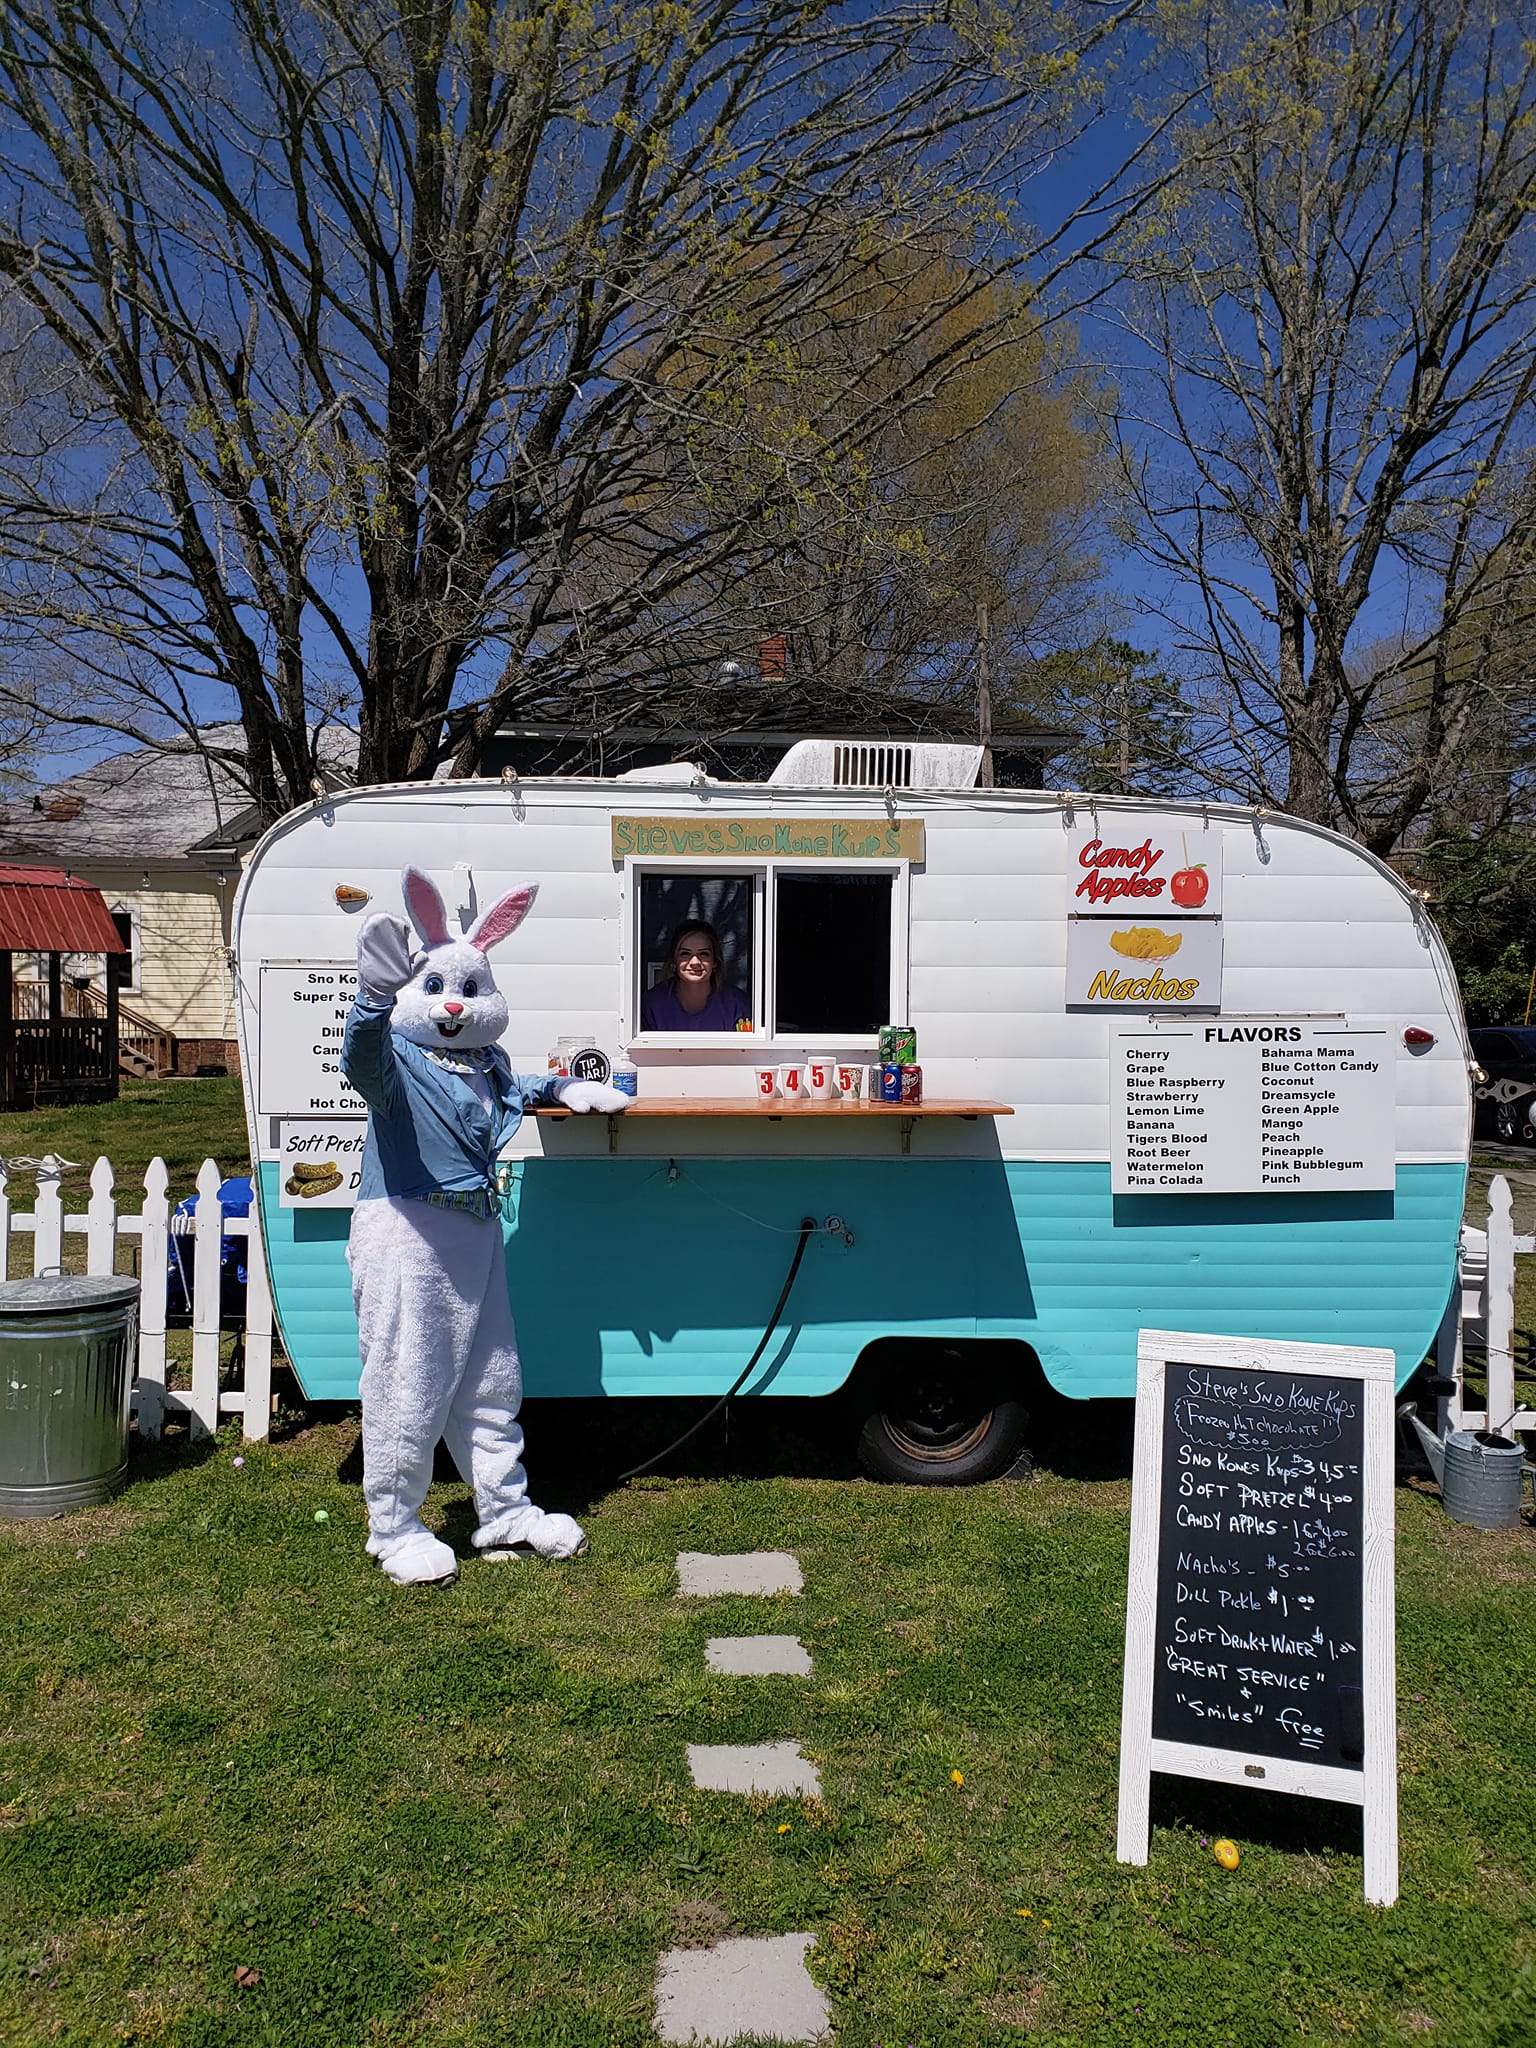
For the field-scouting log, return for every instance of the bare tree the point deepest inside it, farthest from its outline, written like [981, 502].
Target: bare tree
[384, 338]
[1336, 308]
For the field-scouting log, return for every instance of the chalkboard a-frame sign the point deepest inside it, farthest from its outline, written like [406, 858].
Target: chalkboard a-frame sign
[1259, 1616]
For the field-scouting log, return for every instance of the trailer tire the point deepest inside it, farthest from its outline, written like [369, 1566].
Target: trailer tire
[935, 1424]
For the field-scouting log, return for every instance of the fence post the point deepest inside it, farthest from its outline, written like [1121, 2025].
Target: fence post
[1501, 1304]
[48, 1227]
[101, 1221]
[208, 1225]
[258, 1331]
[154, 1263]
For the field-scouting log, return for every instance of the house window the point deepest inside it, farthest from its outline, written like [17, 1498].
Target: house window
[127, 921]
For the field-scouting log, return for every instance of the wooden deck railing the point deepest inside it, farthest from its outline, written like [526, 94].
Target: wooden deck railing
[136, 1033]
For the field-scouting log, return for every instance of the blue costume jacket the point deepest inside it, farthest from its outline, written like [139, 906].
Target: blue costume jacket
[428, 1130]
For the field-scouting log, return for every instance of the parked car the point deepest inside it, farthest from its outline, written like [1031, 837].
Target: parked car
[1506, 1101]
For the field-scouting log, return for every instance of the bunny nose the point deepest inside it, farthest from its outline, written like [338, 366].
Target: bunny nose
[454, 1009]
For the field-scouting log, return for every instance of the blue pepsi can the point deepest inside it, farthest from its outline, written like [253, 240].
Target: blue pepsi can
[890, 1083]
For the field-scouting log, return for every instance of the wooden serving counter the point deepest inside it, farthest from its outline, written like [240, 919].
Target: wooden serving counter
[775, 1109]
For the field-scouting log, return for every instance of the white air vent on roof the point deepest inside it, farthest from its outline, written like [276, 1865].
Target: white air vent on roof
[878, 764]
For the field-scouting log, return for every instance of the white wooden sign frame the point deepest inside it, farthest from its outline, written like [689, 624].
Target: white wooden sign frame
[1374, 1788]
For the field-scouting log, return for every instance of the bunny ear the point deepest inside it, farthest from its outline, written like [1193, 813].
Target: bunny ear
[425, 906]
[503, 917]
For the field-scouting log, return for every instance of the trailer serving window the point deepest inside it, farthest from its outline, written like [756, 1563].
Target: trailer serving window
[819, 953]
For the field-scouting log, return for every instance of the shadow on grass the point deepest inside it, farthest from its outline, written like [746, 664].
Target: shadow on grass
[174, 1450]
[1290, 1825]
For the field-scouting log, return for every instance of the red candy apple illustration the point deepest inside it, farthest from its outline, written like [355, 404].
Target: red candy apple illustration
[1190, 886]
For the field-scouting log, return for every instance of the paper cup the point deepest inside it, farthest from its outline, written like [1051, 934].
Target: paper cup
[791, 1084]
[767, 1083]
[818, 1080]
[850, 1082]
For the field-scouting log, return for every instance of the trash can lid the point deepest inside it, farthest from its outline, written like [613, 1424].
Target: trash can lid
[71, 1291]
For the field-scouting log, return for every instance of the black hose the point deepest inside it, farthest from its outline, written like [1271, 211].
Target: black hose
[807, 1228]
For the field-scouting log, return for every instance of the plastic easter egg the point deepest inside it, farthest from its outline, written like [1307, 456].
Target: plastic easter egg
[321, 1515]
[1225, 1852]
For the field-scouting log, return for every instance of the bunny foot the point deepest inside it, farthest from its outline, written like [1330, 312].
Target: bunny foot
[543, 1536]
[419, 1560]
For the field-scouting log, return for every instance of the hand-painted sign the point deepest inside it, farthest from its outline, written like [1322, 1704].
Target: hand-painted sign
[1258, 1640]
[1115, 869]
[839, 839]
[320, 1162]
[1143, 963]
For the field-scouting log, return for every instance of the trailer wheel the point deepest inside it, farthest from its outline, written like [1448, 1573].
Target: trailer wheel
[937, 1422]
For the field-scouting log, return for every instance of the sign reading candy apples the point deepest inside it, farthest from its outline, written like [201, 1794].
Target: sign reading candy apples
[1118, 865]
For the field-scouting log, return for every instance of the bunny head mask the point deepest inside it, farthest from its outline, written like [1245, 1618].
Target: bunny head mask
[451, 999]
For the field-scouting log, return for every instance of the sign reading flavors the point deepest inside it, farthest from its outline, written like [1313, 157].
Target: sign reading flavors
[1259, 1611]
[1251, 1106]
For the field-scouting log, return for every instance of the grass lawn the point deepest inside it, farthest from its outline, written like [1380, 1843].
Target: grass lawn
[465, 1817]
[185, 1122]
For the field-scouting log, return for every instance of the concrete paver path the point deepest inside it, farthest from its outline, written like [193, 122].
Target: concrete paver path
[758, 1656]
[749, 1571]
[772, 1767]
[758, 1986]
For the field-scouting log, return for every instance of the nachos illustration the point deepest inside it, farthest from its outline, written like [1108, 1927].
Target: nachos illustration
[1146, 942]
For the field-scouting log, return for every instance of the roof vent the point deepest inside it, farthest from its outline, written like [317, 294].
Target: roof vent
[878, 764]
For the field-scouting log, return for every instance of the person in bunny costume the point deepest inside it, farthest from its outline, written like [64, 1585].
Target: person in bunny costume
[427, 1255]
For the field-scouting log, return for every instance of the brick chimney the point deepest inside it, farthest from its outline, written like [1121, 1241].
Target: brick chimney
[773, 658]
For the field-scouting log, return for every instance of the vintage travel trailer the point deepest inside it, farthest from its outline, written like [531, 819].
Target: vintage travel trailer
[1183, 1067]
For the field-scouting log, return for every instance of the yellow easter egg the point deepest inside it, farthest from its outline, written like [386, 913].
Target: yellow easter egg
[1225, 1852]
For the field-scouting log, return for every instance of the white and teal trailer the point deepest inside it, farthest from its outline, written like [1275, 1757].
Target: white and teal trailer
[1184, 1067]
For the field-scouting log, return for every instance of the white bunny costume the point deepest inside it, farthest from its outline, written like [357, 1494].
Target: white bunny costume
[428, 1260]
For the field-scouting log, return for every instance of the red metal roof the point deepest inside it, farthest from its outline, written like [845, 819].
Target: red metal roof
[43, 910]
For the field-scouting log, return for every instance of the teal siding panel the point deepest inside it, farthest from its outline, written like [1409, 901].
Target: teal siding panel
[628, 1277]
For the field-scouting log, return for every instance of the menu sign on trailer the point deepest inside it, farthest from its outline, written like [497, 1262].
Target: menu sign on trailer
[1174, 868]
[1251, 1106]
[303, 1014]
[1259, 1617]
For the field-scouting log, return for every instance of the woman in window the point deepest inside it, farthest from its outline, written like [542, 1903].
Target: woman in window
[693, 994]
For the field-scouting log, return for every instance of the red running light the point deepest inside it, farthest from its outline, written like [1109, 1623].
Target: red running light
[1417, 1037]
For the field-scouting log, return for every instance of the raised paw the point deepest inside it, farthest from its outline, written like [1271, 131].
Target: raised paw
[583, 1096]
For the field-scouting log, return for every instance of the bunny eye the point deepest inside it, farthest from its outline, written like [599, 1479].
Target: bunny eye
[433, 984]
[471, 988]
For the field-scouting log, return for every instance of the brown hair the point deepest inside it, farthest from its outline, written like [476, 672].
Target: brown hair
[682, 931]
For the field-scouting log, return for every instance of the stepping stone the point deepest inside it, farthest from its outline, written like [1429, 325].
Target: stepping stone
[757, 1986]
[758, 1656]
[749, 1571]
[773, 1767]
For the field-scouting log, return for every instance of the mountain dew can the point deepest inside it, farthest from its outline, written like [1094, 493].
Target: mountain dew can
[898, 1045]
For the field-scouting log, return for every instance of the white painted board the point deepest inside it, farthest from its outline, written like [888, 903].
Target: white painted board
[1261, 1519]
[1260, 1105]
[303, 1013]
[320, 1161]
[1143, 961]
[1121, 865]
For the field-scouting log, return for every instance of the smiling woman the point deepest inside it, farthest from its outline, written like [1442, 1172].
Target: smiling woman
[693, 994]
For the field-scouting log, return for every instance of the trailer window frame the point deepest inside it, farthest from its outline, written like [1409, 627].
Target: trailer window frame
[763, 993]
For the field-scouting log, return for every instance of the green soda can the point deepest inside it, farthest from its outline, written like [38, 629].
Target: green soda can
[898, 1045]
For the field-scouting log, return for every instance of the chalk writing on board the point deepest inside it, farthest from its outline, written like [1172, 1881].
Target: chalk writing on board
[1259, 1591]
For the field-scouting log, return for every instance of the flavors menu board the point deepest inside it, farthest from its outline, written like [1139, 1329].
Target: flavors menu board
[303, 1015]
[1251, 1106]
[1258, 1623]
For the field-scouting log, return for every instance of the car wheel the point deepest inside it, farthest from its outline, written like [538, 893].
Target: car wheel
[1509, 1124]
[939, 1423]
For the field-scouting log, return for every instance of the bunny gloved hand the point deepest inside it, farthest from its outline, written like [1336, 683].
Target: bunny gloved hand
[583, 1096]
[383, 955]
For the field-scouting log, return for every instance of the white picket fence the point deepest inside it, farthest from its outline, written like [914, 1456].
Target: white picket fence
[1485, 1303]
[102, 1224]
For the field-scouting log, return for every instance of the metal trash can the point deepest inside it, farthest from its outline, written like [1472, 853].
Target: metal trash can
[66, 1376]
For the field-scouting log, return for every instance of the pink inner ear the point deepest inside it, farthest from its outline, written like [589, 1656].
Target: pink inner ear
[425, 906]
[504, 917]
